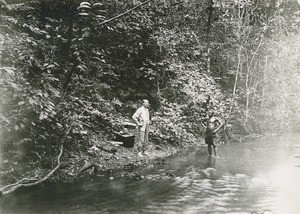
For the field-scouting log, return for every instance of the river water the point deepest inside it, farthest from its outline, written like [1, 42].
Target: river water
[249, 177]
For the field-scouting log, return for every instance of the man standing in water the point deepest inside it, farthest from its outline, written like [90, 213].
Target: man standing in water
[211, 130]
[141, 118]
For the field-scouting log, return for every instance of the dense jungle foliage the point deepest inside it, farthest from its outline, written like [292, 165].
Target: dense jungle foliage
[73, 71]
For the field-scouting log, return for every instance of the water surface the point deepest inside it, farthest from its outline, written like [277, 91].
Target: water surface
[248, 177]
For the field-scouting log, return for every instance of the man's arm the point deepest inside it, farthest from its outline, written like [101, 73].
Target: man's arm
[202, 124]
[136, 116]
[220, 126]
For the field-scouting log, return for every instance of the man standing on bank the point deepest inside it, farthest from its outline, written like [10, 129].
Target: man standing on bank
[141, 118]
[211, 130]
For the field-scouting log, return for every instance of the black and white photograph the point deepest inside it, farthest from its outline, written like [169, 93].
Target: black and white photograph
[149, 106]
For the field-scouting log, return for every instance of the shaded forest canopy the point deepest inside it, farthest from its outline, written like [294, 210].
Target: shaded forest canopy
[72, 72]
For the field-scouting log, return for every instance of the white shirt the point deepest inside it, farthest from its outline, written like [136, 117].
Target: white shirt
[142, 115]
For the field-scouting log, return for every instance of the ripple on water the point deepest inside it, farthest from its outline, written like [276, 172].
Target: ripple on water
[265, 203]
[241, 176]
[209, 172]
[186, 182]
[296, 146]
[205, 194]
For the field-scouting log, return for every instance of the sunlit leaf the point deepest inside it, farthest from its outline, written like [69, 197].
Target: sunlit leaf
[83, 14]
[97, 4]
[21, 103]
[9, 70]
[100, 17]
[85, 3]
[84, 7]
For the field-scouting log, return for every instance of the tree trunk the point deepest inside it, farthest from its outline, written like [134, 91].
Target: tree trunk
[208, 32]
[237, 71]
[263, 84]
[68, 52]
[248, 91]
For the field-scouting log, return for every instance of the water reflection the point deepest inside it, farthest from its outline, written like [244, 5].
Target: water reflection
[254, 177]
[210, 162]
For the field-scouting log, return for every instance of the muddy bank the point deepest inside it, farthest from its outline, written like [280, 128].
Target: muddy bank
[102, 159]
[99, 159]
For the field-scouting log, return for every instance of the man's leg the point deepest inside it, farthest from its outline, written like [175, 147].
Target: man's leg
[215, 147]
[145, 143]
[209, 149]
[215, 150]
[138, 139]
[141, 142]
[208, 141]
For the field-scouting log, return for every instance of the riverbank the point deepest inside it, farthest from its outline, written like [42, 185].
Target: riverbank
[96, 159]
[100, 159]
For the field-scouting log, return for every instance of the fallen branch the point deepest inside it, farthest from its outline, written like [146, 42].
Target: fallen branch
[12, 187]
[22, 181]
[123, 14]
[86, 166]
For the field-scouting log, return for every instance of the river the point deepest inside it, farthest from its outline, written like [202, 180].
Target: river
[260, 176]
